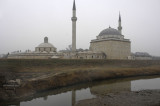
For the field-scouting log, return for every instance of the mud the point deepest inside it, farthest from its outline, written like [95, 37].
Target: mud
[136, 98]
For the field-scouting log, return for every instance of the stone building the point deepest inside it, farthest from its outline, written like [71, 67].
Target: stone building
[43, 51]
[84, 55]
[140, 56]
[111, 42]
[45, 47]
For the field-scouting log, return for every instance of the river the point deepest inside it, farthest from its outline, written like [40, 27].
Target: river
[68, 96]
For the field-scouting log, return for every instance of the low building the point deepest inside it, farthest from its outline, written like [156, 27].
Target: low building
[141, 56]
[43, 51]
[84, 55]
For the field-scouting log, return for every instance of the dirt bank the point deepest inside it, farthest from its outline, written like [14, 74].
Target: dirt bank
[39, 75]
[137, 98]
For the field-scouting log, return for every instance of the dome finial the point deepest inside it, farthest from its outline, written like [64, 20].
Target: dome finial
[46, 40]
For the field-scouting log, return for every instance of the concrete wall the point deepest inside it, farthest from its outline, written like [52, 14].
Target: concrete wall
[112, 48]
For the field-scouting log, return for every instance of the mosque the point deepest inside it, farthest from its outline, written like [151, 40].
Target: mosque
[109, 44]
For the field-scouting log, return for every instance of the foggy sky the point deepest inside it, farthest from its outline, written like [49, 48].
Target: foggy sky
[25, 23]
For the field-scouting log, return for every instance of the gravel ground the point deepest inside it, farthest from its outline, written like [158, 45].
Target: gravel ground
[136, 98]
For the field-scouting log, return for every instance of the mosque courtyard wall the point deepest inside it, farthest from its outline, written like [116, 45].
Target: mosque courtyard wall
[31, 56]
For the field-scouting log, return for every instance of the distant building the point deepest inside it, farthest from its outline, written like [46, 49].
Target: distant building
[140, 56]
[43, 51]
[111, 42]
[45, 47]
[84, 55]
[156, 57]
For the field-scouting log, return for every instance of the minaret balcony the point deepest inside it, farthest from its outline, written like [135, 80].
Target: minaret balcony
[119, 28]
[74, 18]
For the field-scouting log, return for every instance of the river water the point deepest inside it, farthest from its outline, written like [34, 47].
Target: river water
[68, 96]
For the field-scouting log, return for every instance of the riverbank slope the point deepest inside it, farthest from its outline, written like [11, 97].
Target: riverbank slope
[40, 75]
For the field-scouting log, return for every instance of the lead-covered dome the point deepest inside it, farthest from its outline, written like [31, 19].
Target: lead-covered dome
[45, 44]
[109, 31]
[45, 47]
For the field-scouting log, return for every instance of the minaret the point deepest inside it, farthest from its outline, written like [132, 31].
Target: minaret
[74, 19]
[119, 24]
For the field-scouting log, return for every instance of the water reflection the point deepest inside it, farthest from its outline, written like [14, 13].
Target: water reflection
[73, 97]
[111, 87]
[143, 84]
[64, 99]
[68, 96]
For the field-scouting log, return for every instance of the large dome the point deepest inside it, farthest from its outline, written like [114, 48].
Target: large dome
[109, 31]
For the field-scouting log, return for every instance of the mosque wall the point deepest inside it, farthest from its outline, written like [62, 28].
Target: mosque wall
[112, 48]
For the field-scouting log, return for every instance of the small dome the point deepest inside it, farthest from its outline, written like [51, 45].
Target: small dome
[46, 45]
[109, 31]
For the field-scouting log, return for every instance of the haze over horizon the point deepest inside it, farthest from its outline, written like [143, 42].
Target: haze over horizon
[24, 24]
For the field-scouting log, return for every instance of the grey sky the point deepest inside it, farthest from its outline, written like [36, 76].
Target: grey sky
[24, 23]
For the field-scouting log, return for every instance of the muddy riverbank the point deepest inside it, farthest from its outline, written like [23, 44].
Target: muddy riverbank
[41, 75]
[136, 98]
[85, 93]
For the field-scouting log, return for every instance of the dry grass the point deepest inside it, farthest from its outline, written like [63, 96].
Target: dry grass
[75, 76]
[45, 74]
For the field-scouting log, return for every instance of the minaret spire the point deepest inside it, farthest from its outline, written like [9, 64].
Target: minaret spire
[74, 19]
[74, 5]
[119, 17]
[119, 24]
